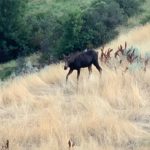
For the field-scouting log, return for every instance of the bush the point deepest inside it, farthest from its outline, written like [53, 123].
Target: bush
[130, 7]
[60, 28]
[13, 29]
[90, 28]
[101, 20]
[146, 19]
[71, 36]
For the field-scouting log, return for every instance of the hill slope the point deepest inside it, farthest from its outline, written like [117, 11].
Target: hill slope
[137, 37]
[39, 111]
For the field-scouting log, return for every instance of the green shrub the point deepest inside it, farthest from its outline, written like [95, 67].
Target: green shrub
[130, 7]
[13, 31]
[59, 27]
[146, 19]
[90, 28]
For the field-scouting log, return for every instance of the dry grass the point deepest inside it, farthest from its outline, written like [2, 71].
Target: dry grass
[111, 112]
[138, 37]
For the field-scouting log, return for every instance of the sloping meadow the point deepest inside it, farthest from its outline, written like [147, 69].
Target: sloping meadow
[109, 112]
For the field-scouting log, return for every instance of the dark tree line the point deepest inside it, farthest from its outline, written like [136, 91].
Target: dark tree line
[55, 33]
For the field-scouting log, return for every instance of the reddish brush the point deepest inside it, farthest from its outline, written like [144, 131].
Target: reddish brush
[121, 50]
[108, 53]
[6, 146]
[71, 144]
[146, 63]
[105, 56]
[131, 56]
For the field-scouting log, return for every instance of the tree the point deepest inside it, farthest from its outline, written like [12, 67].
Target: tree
[13, 31]
[130, 7]
[90, 28]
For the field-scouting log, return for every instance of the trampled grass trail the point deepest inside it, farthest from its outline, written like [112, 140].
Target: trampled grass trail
[112, 112]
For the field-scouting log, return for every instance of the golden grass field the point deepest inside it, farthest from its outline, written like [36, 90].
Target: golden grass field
[112, 112]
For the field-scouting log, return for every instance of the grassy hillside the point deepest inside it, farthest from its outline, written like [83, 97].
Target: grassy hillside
[6, 69]
[138, 37]
[40, 112]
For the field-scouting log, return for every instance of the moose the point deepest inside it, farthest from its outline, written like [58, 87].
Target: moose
[82, 60]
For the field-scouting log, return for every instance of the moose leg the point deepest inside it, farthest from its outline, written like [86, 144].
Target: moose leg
[90, 69]
[98, 67]
[78, 74]
[70, 71]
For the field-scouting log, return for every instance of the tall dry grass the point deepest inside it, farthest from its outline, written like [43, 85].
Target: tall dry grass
[112, 112]
[138, 37]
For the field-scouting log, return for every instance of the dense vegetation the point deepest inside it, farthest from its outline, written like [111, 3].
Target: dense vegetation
[146, 13]
[57, 27]
[13, 29]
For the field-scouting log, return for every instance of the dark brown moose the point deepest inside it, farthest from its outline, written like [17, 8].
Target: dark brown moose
[82, 60]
